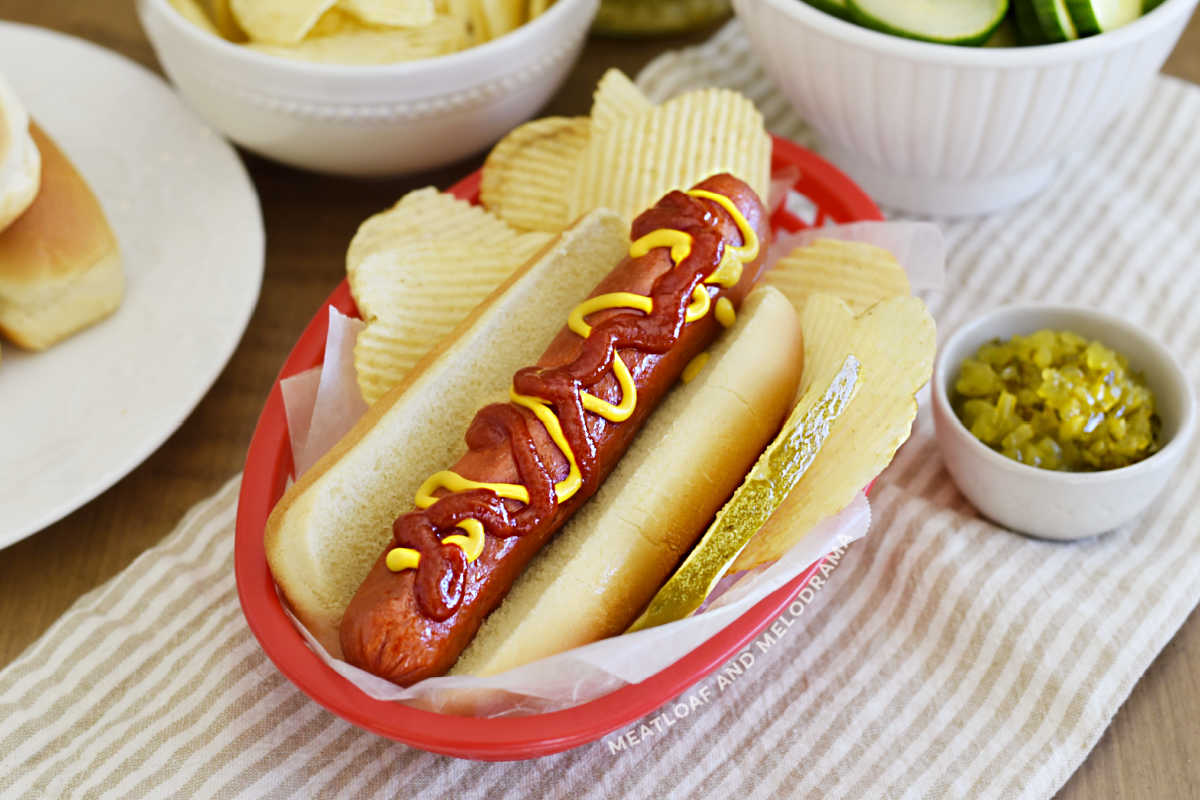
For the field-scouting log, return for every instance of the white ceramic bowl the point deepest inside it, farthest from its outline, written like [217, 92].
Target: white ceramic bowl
[1061, 505]
[369, 120]
[940, 129]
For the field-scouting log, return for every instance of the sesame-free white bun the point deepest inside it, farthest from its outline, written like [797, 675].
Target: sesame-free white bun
[20, 161]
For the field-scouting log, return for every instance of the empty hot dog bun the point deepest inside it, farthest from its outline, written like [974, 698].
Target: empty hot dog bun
[60, 268]
[328, 529]
[20, 161]
[606, 563]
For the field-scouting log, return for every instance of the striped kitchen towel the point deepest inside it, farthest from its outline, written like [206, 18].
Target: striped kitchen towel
[943, 657]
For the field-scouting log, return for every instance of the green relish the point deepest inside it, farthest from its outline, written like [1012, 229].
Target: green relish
[1054, 399]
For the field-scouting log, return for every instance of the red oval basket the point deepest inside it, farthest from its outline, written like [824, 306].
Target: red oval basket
[269, 463]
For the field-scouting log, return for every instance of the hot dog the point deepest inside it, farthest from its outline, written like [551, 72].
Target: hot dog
[533, 461]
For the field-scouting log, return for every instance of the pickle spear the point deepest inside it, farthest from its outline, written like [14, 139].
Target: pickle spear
[776, 473]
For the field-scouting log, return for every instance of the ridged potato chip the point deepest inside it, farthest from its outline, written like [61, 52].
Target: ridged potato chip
[192, 11]
[861, 274]
[616, 98]
[539, 7]
[221, 15]
[502, 16]
[393, 13]
[279, 22]
[364, 45]
[526, 175]
[416, 270]
[470, 12]
[335, 21]
[832, 387]
[551, 171]
[633, 162]
[425, 216]
[895, 341]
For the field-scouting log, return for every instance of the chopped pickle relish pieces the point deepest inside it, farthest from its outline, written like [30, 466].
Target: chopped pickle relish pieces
[1055, 400]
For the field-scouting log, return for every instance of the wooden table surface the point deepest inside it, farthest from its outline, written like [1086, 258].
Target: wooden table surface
[1150, 751]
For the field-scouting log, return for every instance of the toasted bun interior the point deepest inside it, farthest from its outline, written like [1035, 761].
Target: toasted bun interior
[60, 268]
[606, 563]
[330, 527]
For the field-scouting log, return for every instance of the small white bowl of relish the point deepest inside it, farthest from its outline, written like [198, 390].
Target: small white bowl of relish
[1061, 503]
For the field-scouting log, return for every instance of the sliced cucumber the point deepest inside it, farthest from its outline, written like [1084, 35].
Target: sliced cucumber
[1054, 20]
[1150, 5]
[1027, 22]
[1098, 16]
[968, 22]
[835, 7]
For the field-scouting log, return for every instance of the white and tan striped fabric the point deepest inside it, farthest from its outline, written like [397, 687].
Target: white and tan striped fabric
[943, 657]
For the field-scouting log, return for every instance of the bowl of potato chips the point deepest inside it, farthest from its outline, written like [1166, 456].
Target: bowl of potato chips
[366, 87]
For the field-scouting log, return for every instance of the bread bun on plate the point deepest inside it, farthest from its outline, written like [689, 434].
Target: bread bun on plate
[60, 268]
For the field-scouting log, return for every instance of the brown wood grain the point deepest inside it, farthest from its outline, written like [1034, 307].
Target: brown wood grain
[1150, 751]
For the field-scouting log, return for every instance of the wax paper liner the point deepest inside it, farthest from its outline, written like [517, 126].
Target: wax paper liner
[323, 403]
[781, 189]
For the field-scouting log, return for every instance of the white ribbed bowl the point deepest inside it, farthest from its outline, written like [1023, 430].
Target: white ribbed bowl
[369, 120]
[940, 129]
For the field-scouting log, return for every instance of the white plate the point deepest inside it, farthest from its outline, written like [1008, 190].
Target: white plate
[78, 417]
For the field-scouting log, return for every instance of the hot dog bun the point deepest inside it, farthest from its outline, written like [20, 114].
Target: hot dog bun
[594, 578]
[328, 529]
[60, 269]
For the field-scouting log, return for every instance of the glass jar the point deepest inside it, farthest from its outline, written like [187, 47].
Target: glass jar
[652, 17]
